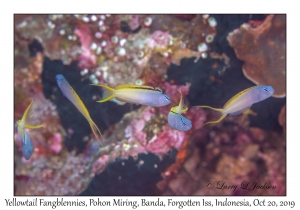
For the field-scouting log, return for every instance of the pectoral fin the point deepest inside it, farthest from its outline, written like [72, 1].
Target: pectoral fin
[118, 102]
[249, 111]
[239, 112]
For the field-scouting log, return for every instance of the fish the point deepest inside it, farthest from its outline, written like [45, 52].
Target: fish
[138, 94]
[176, 120]
[26, 122]
[240, 102]
[27, 146]
[70, 93]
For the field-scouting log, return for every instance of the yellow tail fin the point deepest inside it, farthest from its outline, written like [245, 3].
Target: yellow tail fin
[28, 118]
[108, 93]
[215, 116]
[95, 130]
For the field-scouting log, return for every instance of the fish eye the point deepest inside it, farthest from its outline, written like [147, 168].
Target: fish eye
[183, 121]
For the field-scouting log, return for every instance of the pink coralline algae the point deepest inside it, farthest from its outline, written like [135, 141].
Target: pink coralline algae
[56, 36]
[147, 130]
[187, 30]
[47, 164]
[162, 142]
[51, 170]
[136, 135]
[87, 57]
[169, 138]
[158, 39]
[142, 131]
[152, 135]
[263, 49]
[173, 90]
[196, 116]
[100, 164]
[99, 44]
[133, 22]
[55, 145]
[136, 127]
[112, 55]
[61, 172]
[229, 156]
[47, 140]
[66, 174]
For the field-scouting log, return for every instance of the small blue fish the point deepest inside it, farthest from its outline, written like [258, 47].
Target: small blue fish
[25, 122]
[176, 120]
[139, 94]
[27, 146]
[241, 102]
[70, 93]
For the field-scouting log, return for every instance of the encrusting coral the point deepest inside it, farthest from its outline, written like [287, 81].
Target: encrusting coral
[262, 46]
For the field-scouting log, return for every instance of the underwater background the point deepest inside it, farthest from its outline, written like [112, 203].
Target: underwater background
[209, 58]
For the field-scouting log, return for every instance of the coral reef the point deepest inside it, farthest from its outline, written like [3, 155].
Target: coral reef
[145, 131]
[142, 154]
[262, 46]
[228, 155]
[131, 176]
[63, 174]
[55, 32]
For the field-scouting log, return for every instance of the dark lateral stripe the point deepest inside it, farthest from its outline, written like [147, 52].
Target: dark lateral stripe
[145, 88]
[174, 112]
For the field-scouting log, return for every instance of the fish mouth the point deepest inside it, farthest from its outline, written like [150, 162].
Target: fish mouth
[59, 77]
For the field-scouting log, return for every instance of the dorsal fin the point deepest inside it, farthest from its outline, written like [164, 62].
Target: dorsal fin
[27, 114]
[156, 88]
[181, 108]
[231, 100]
